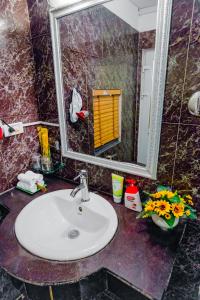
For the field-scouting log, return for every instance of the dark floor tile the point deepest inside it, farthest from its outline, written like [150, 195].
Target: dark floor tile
[107, 295]
[17, 283]
[185, 279]
[93, 285]
[112, 296]
[67, 291]
[122, 290]
[37, 292]
[7, 290]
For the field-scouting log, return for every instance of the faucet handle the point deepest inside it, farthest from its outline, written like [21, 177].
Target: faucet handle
[82, 174]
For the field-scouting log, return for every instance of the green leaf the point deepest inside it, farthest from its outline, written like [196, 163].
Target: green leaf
[163, 188]
[190, 208]
[192, 215]
[175, 199]
[170, 222]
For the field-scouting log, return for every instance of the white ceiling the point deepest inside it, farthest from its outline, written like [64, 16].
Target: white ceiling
[144, 3]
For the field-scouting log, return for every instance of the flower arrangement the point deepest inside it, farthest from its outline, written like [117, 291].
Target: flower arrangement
[169, 206]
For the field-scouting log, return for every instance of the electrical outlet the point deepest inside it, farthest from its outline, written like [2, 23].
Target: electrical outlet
[18, 127]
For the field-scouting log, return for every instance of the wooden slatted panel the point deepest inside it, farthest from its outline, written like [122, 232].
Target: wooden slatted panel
[106, 116]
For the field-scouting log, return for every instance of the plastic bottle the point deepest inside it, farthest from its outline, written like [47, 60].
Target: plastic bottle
[132, 196]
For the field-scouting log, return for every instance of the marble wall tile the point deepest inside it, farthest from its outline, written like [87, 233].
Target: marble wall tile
[39, 17]
[192, 81]
[195, 29]
[45, 82]
[187, 168]
[69, 172]
[18, 99]
[179, 39]
[17, 76]
[166, 160]
[17, 152]
[82, 31]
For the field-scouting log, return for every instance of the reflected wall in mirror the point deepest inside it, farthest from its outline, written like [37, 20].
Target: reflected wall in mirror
[107, 57]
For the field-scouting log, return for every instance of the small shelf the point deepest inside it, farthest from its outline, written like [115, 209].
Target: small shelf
[56, 167]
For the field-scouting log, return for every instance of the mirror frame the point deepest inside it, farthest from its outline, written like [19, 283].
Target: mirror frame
[159, 76]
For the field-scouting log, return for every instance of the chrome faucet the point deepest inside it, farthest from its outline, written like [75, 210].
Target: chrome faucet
[83, 187]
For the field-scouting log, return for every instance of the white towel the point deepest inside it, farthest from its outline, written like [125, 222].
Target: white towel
[30, 188]
[75, 106]
[30, 178]
[36, 176]
[26, 179]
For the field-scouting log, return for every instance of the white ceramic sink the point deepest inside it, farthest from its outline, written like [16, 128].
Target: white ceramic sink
[57, 227]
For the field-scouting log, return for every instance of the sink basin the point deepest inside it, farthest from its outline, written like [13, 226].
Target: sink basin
[57, 227]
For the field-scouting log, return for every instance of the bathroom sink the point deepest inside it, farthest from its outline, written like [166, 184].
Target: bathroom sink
[56, 226]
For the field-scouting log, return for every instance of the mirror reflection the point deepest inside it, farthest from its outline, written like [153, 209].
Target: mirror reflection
[107, 67]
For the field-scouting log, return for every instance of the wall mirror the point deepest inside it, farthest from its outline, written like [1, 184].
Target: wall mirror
[110, 61]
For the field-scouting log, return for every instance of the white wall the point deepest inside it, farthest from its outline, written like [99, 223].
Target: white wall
[147, 22]
[141, 20]
[126, 10]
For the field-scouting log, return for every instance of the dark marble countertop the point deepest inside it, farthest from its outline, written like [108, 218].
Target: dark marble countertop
[140, 253]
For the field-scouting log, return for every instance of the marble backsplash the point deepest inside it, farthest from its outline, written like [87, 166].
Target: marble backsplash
[18, 101]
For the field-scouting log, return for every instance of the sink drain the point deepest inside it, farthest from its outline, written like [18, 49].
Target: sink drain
[73, 234]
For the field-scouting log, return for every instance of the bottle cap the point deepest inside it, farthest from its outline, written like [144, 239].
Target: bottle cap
[117, 199]
[131, 188]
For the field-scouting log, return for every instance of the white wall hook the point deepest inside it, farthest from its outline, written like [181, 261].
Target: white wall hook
[194, 104]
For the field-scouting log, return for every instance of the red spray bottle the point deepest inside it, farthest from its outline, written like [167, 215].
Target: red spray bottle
[132, 196]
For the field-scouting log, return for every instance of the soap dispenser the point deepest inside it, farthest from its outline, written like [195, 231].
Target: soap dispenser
[132, 196]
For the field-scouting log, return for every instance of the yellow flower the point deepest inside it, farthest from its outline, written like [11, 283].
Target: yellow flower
[187, 212]
[190, 202]
[170, 195]
[167, 216]
[150, 205]
[156, 195]
[162, 194]
[188, 197]
[178, 209]
[182, 200]
[162, 208]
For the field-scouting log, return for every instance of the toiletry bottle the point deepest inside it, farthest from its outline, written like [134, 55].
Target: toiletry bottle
[117, 185]
[132, 196]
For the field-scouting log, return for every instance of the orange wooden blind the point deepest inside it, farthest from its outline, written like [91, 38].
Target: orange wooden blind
[106, 116]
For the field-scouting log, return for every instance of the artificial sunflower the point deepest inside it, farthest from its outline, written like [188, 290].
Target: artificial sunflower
[178, 209]
[167, 216]
[156, 195]
[190, 202]
[169, 206]
[150, 205]
[188, 197]
[162, 207]
[182, 200]
[170, 195]
[188, 212]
